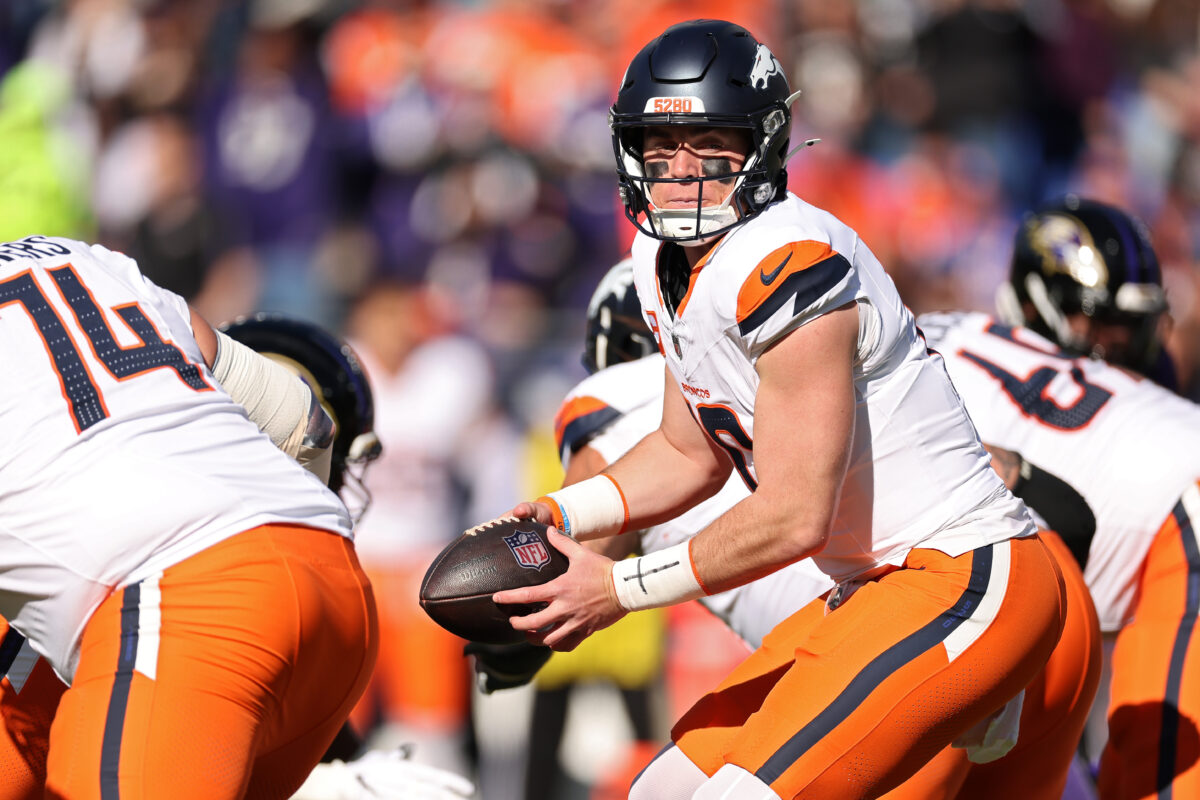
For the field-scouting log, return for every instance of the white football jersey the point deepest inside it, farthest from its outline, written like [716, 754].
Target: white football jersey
[122, 454]
[613, 410]
[1128, 446]
[918, 475]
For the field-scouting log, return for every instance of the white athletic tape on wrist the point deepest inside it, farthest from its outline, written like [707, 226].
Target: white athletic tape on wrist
[662, 578]
[276, 399]
[592, 508]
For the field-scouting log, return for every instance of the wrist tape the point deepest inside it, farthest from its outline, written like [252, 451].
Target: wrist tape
[276, 399]
[662, 578]
[593, 508]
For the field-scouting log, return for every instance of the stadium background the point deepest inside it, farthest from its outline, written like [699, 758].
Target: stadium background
[291, 155]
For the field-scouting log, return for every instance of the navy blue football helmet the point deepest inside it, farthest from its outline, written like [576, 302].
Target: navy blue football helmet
[706, 73]
[333, 372]
[616, 331]
[1079, 256]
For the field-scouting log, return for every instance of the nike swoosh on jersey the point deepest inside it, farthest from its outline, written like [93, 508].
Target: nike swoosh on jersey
[814, 271]
[768, 279]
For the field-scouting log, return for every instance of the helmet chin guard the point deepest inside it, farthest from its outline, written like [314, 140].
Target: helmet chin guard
[705, 73]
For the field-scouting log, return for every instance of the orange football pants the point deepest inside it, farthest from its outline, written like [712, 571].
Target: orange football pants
[1053, 715]
[29, 695]
[851, 703]
[1153, 745]
[421, 677]
[225, 677]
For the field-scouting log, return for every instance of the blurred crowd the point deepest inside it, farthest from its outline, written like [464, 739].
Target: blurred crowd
[434, 178]
[290, 154]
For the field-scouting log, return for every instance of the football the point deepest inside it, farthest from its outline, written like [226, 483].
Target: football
[506, 553]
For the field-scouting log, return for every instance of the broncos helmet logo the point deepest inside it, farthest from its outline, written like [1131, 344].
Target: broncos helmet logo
[765, 65]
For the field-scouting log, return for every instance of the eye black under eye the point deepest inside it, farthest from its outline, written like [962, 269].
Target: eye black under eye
[656, 169]
[717, 167]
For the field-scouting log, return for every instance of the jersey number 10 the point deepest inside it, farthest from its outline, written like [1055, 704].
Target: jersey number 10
[78, 387]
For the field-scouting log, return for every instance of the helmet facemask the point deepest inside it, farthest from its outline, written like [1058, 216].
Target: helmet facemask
[364, 449]
[755, 185]
[1078, 258]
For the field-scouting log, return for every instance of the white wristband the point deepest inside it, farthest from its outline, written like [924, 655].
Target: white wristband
[590, 509]
[662, 578]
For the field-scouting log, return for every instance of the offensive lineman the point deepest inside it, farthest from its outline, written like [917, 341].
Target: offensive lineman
[148, 524]
[30, 692]
[791, 359]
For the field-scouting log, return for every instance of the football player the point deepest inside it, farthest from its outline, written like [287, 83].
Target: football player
[610, 411]
[332, 370]
[149, 523]
[1085, 275]
[792, 361]
[30, 691]
[1130, 448]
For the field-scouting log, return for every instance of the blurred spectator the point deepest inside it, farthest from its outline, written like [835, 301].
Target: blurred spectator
[432, 389]
[269, 148]
[43, 163]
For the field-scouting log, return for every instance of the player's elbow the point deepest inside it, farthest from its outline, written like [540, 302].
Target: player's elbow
[715, 478]
[800, 531]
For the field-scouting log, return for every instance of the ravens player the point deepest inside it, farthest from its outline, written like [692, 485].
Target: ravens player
[1085, 276]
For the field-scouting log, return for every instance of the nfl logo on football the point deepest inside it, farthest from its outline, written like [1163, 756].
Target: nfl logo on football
[529, 550]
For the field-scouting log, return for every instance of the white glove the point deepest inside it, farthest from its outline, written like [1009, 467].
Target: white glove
[379, 775]
[996, 735]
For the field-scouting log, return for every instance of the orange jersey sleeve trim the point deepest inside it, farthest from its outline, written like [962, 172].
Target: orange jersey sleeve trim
[580, 418]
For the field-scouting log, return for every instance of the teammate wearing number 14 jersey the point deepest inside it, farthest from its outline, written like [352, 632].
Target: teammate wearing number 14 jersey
[195, 587]
[791, 359]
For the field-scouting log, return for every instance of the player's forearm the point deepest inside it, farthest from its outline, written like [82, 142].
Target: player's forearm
[652, 483]
[755, 538]
[659, 482]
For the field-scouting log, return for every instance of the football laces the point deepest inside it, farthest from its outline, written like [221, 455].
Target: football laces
[483, 526]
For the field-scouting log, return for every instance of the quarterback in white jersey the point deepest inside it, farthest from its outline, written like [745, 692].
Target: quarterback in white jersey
[792, 361]
[789, 266]
[141, 501]
[607, 413]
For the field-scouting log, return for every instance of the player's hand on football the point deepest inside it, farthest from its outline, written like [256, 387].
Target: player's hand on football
[505, 666]
[579, 602]
[533, 510]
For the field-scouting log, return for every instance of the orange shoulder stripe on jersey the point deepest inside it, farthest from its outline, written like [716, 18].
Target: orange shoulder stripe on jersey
[774, 274]
[579, 419]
